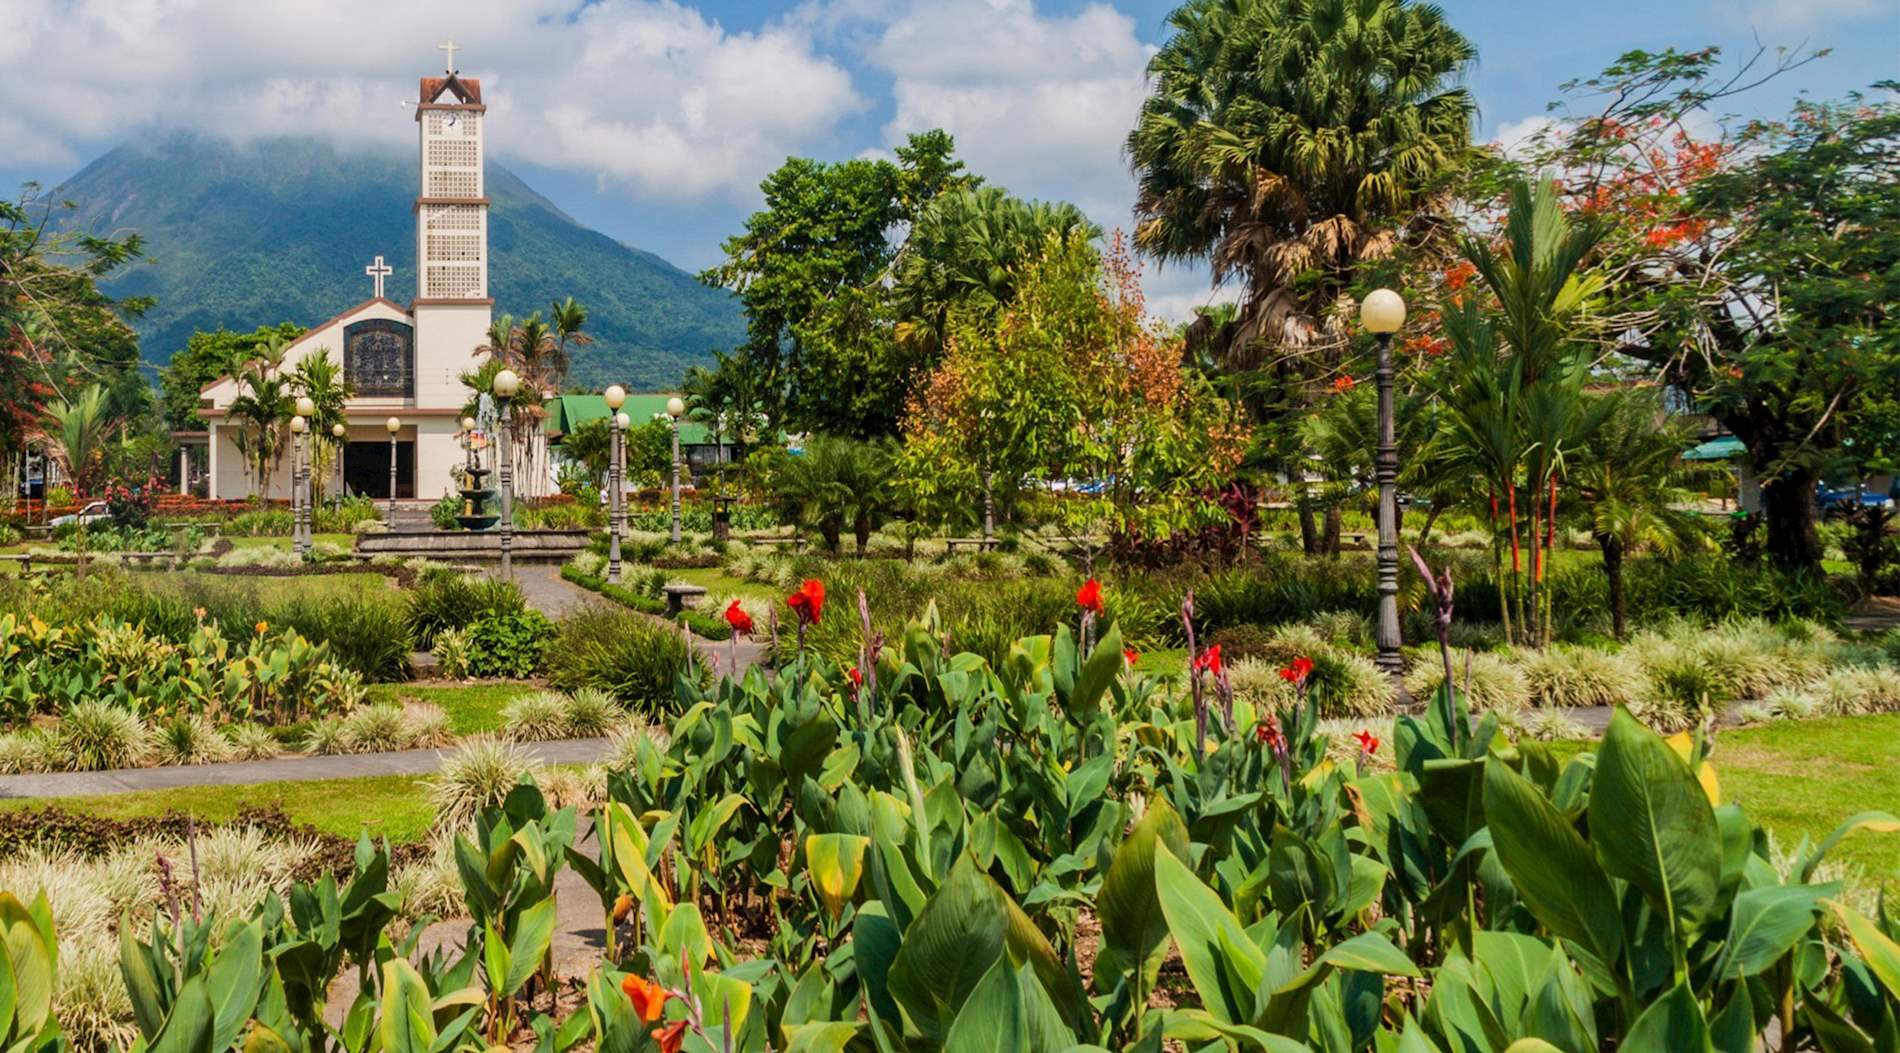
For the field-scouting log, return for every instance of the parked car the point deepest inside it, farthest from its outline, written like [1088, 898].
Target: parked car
[95, 512]
[1839, 500]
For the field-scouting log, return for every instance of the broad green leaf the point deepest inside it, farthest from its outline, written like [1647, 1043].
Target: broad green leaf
[233, 981]
[1207, 934]
[1881, 953]
[1370, 952]
[188, 1027]
[405, 1023]
[684, 935]
[1132, 923]
[1879, 822]
[830, 1037]
[1099, 670]
[1671, 1024]
[32, 965]
[1553, 870]
[534, 932]
[836, 862]
[1653, 825]
[1531, 1045]
[951, 943]
[992, 1020]
[1764, 924]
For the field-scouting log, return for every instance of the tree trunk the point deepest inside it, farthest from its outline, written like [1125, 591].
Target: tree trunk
[1787, 506]
[1425, 532]
[1613, 570]
[1309, 529]
[1335, 518]
[861, 532]
[831, 529]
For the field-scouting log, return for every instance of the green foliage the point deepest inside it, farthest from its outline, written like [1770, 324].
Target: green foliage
[206, 357]
[632, 657]
[444, 599]
[508, 643]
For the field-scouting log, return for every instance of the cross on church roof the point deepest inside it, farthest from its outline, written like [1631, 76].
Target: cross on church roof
[378, 271]
[450, 49]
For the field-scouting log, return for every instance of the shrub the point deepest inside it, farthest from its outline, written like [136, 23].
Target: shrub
[191, 739]
[1491, 681]
[509, 644]
[452, 653]
[325, 738]
[631, 658]
[27, 752]
[447, 600]
[477, 775]
[428, 726]
[366, 633]
[100, 736]
[1858, 689]
[1546, 725]
[1342, 684]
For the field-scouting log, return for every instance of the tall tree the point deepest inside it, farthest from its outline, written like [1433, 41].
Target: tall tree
[1288, 142]
[262, 409]
[809, 269]
[207, 356]
[75, 433]
[319, 378]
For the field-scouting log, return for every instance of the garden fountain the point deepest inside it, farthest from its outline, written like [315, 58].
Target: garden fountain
[475, 496]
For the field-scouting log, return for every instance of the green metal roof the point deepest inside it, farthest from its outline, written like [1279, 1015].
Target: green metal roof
[1717, 450]
[567, 412]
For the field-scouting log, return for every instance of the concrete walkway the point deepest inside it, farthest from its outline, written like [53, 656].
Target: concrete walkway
[546, 591]
[281, 769]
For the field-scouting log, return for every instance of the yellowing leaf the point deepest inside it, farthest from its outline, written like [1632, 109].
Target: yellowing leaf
[836, 862]
[1684, 745]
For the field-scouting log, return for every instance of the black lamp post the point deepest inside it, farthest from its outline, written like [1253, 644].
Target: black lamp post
[506, 384]
[616, 489]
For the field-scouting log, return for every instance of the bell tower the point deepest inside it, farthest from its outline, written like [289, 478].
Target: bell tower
[452, 305]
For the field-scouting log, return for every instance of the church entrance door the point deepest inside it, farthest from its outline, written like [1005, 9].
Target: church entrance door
[366, 469]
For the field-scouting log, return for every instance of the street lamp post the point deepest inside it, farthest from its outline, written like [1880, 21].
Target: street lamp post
[299, 544]
[1382, 312]
[394, 424]
[337, 431]
[506, 384]
[302, 518]
[676, 409]
[616, 397]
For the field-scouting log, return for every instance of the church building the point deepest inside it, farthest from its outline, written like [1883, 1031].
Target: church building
[400, 361]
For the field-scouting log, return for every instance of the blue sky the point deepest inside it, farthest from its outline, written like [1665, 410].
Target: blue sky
[653, 121]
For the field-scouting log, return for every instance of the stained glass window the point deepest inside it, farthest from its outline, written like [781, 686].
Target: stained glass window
[379, 357]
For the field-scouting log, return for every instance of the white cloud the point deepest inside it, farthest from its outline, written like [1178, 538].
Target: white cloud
[1038, 103]
[1514, 137]
[650, 94]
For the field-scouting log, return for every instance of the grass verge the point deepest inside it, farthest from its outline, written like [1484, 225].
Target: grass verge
[392, 806]
[470, 707]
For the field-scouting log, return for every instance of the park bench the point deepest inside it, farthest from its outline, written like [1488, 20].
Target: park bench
[797, 541]
[681, 595]
[171, 559]
[25, 560]
[981, 544]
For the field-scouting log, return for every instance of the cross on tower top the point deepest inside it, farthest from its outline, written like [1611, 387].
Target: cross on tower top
[450, 49]
[377, 272]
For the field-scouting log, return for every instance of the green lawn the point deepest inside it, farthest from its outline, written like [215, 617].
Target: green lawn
[717, 582]
[393, 806]
[1802, 777]
[471, 707]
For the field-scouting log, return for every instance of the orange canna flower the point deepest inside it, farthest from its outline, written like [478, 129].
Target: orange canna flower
[648, 998]
[262, 628]
[671, 1036]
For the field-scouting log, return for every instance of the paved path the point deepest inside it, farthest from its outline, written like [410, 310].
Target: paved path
[281, 769]
[546, 591]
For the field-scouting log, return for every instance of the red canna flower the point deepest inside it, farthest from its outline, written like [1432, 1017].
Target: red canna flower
[808, 602]
[856, 678]
[671, 1036]
[1268, 732]
[736, 617]
[1368, 742]
[1208, 661]
[1089, 596]
[1344, 383]
[1297, 672]
[648, 998]
[1130, 655]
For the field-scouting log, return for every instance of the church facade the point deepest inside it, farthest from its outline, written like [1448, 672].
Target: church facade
[399, 361]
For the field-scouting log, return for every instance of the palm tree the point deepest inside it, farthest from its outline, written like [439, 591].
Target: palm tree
[1286, 142]
[319, 378]
[262, 408]
[569, 317]
[837, 484]
[75, 433]
[1513, 390]
[1635, 487]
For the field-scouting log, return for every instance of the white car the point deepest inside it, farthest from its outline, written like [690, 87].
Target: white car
[93, 513]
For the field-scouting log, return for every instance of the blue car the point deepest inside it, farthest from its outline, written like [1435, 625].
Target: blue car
[1838, 501]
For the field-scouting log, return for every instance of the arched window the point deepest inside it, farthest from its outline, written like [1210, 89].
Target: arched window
[379, 358]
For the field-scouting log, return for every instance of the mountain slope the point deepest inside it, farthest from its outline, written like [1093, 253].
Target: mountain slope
[280, 230]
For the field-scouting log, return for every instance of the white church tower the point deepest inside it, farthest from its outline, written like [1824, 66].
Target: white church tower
[452, 307]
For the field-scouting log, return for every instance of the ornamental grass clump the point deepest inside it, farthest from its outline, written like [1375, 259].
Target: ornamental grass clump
[536, 717]
[379, 728]
[252, 742]
[1856, 690]
[1566, 677]
[591, 712]
[101, 736]
[1342, 684]
[479, 774]
[1491, 681]
[191, 738]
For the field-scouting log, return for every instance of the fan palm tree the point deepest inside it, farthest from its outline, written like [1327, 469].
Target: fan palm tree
[1635, 489]
[1286, 142]
[569, 318]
